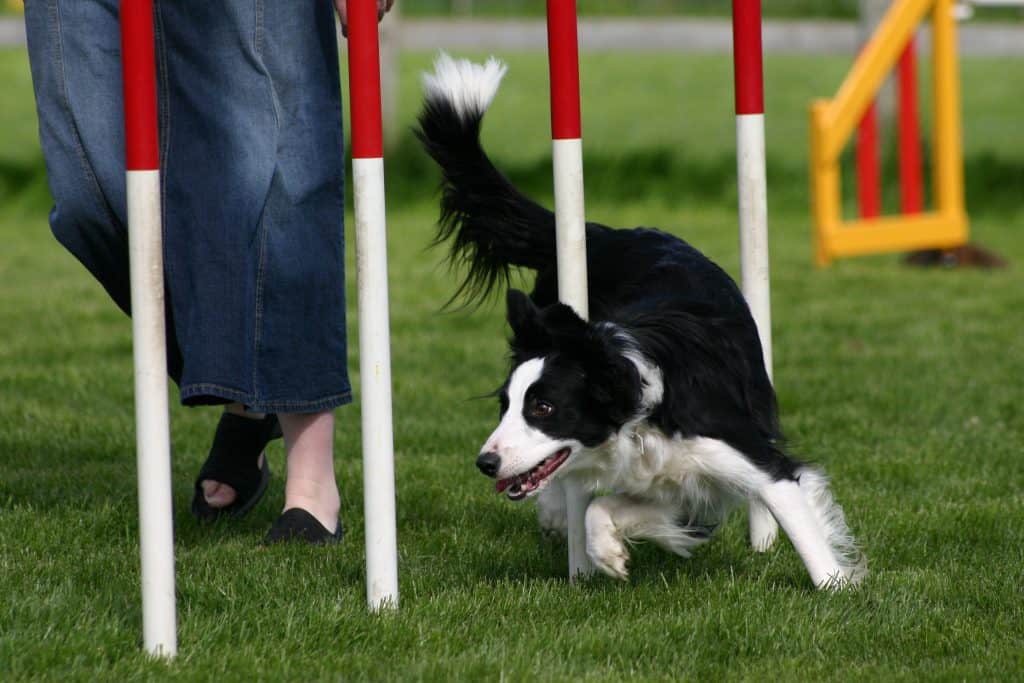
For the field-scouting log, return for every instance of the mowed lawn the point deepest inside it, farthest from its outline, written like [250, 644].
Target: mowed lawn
[905, 384]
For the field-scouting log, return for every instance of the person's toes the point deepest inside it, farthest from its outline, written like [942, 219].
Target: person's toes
[218, 495]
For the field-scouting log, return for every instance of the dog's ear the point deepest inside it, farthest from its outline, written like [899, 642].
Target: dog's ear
[614, 380]
[529, 336]
[567, 329]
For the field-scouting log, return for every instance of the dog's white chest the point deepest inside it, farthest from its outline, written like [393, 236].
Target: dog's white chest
[699, 474]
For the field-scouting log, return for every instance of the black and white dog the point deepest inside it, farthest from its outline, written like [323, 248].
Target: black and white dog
[661, 399]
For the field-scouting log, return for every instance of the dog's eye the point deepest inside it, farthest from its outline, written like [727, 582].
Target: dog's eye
[542, 409]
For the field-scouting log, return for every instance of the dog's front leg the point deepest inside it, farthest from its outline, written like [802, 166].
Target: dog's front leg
[614, 520]
[605, 543]
[551, 510]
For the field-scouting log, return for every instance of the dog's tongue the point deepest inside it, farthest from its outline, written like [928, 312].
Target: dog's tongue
[530, 480]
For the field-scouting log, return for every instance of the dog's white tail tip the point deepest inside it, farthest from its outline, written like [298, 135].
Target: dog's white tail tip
[469, 87]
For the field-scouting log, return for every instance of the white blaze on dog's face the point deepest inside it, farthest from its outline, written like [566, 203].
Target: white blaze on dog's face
[526, 449]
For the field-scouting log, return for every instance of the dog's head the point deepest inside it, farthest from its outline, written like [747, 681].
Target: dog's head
[570, 388]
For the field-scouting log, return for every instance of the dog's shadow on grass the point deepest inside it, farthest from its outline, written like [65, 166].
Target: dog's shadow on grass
[501, 544]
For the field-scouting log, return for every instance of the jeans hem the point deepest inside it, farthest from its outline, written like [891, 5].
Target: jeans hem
[205, 394]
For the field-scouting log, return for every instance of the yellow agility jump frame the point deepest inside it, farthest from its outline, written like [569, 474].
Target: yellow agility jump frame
[834, 121]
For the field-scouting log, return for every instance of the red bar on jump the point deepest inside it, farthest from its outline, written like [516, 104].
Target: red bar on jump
[564, 64]
[364, 80]
[746, 47]
[911, 183]
[138, 59]
[869, 179]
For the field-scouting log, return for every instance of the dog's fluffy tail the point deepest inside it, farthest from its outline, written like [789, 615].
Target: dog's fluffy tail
[491, 225]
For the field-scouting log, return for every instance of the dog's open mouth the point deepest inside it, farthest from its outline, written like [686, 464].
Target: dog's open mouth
[522, 485]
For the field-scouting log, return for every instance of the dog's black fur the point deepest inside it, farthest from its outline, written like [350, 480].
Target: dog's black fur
[683, 312]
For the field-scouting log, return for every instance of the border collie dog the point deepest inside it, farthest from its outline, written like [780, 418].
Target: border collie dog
[660, 401]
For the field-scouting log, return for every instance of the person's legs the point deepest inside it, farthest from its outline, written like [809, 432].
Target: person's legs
[255, 203]
[311, 486]
[255, 121]
[253, 196]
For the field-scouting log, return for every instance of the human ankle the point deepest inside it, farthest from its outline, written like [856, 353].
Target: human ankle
[239, 409]
[319, 499]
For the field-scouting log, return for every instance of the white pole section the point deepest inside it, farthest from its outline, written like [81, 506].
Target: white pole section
[570, 224]
[145, 248]
[375, 373]
[570, 221]
[753, 219]
[570, 227]
[751, 178]
[152, 431]
[374, 329]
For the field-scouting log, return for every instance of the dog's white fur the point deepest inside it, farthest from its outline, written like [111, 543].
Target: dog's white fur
[469, 87]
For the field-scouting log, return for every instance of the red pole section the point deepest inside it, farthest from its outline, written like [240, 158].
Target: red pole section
[364, 80]
[139, 79]
[911, 182]
[868, 174]
[564, 63]
[748, 72]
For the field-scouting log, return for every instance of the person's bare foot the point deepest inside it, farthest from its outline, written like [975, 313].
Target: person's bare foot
[236, 473]
[219, 495]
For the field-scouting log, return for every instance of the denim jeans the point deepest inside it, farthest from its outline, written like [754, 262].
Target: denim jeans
[253, 185]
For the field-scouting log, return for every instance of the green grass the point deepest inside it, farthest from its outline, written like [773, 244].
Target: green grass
[904, 384]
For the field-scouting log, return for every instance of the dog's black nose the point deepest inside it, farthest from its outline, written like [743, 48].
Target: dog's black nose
[489, 463]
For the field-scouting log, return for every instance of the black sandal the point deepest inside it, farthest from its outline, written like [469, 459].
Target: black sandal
[234, 460]
[296, 524]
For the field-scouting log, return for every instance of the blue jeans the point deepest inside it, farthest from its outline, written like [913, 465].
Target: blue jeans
[253, 185]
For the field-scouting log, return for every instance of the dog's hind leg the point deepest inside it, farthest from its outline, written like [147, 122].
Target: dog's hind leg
[815, 524]
[551, 511]
[614, 520]
[763, 527]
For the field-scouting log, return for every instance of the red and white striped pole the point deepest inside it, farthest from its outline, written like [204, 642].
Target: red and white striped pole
[570, 221]
[374, 329]
[751, 177]
[145, 243]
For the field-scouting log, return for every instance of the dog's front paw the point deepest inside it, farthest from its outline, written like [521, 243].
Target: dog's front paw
[604, 542]
[609, 555]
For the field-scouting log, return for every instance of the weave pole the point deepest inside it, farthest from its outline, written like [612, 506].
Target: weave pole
[570, 221]
[374, 329]
[751, 178]
[145, 248]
